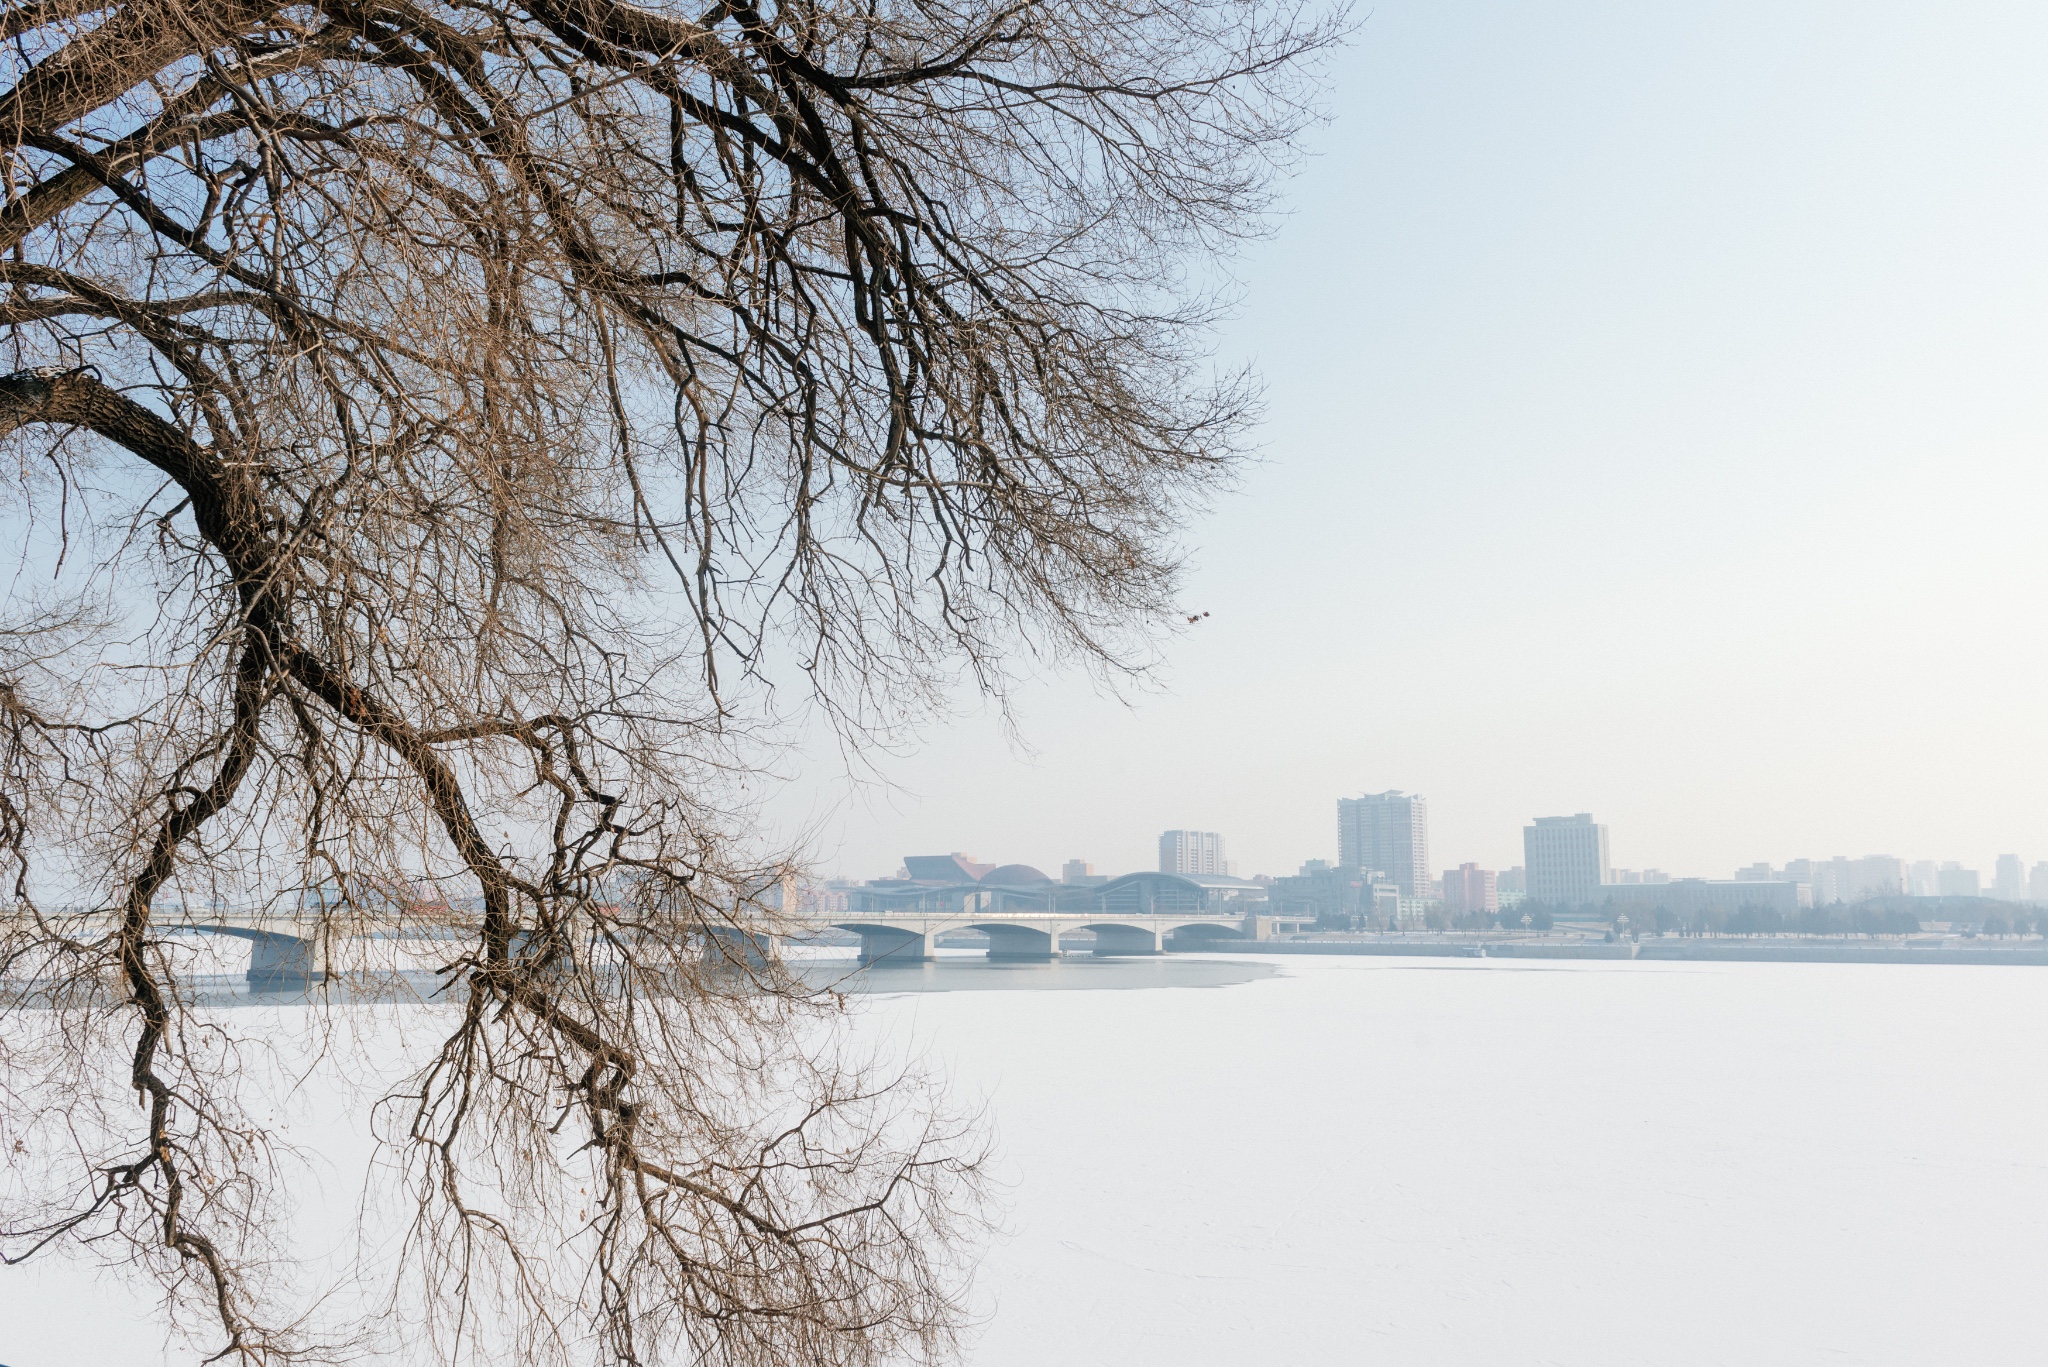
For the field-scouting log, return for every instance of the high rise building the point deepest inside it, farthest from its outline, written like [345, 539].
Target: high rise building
[2009, 879]
[1953, 880]
[1388, 833]
[1469, 889]
[1567, 859]
[1842, 879]
[2037, 883]
[1196, 852]
[1874, 875]
[1923, 879]
[1080, 873]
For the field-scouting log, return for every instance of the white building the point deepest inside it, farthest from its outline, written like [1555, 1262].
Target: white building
[1566, 857]
[1638, 876]
[2009, 879]
[1874, 875]
[1413, 912]
[1080, 873]
[1193, 852]
[1842, 879]
[1698, 894]
[1953, 880]
[1387, 833]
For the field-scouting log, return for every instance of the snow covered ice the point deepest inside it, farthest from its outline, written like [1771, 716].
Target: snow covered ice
[1429, 1163]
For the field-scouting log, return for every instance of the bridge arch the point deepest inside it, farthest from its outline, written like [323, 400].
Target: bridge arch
[277, 962]
[1122, 938]
[1204, 930]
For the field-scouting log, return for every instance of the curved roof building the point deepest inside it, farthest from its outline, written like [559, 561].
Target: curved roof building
[1014, 876]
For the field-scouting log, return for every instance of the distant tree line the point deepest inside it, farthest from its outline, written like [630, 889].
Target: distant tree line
[1527, 916]
[1749, 919]
[1876, 917]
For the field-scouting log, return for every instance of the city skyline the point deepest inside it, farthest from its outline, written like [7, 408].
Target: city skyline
[899, 820]
[1578, 841]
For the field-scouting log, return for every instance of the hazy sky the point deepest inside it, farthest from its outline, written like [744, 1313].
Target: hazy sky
[1659, 396]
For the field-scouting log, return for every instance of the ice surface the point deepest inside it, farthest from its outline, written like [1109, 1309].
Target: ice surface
[1453, 1164]
[1438, 1163]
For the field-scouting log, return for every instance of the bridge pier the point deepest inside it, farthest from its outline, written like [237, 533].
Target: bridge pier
[277, 963]
[1202, 938]
[1021, 944]
[892, 945]
[1127, 941]
[747, 948]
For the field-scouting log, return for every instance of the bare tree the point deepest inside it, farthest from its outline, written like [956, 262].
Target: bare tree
[446, 431]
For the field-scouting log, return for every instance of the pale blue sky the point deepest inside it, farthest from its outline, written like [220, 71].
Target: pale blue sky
[1659, 403]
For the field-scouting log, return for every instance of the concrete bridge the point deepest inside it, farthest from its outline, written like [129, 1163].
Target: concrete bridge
[1028, 937]
[281, 955]
[280, 943]
[1024, 913]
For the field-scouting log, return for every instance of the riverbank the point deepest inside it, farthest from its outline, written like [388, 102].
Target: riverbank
[1663, 948]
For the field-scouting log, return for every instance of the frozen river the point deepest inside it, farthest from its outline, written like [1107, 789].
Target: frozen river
[1462, 1162]
[1427, 1163]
